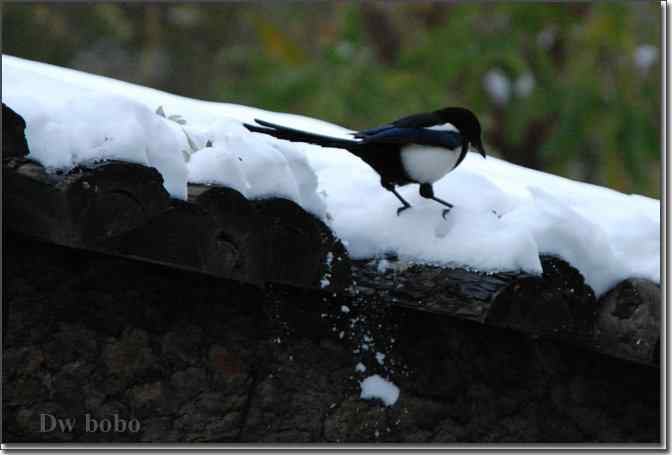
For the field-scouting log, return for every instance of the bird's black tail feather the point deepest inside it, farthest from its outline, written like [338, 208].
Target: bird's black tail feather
[290, 134]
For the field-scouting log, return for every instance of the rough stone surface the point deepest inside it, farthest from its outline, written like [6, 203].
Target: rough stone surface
[122, 209]
[197, 358]
[557, 304]
[629, 320]
[87, 207]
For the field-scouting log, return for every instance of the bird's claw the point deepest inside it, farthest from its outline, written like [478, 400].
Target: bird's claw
[401, 209]
[444, 213]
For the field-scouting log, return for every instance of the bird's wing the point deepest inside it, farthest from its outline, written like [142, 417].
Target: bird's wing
[423, 120]
[421, 136]
[412, 121]
[392, 135]
[371, 131]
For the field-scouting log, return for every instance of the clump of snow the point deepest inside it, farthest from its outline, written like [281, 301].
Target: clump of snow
[326, 279]
[383, 265]
[256, 166]
[345, 309]
[360, 368]
[380, 358]
[73, 118]
[377, 387]
[87, 126]
[504, 215]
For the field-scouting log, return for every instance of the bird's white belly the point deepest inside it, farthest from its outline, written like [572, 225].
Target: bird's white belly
[426, 164]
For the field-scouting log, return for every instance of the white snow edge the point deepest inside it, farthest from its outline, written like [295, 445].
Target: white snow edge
[74, 117]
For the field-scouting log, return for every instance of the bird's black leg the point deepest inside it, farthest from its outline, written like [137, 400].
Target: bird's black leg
[427, 191]
[391, 188]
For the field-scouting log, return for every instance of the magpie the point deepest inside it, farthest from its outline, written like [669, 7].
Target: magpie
[420, 148]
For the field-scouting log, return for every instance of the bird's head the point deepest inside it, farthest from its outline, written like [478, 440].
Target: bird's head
[467, 124]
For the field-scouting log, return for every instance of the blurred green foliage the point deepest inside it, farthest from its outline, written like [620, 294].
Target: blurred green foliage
[570, 88]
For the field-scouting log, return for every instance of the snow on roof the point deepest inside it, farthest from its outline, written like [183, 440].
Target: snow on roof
[74, 117]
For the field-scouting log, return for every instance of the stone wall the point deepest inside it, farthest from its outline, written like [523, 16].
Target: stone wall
[197, 358]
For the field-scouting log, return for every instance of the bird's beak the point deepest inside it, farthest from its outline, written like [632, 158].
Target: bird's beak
[479, 149]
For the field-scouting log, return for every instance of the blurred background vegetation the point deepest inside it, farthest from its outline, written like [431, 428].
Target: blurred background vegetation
[569, 88]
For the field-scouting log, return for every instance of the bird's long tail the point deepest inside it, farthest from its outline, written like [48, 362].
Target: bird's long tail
[291, 134]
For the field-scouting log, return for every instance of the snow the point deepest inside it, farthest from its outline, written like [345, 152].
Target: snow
[377, 387]
[383, 265]
[360, 368]
[74, 117]
[84, 127]
[504, 217]
[325, 281]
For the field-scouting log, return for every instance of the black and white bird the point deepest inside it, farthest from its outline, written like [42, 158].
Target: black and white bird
[421, 148]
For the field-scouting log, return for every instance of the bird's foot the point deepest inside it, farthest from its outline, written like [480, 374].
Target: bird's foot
[401, 209]
[444, 213]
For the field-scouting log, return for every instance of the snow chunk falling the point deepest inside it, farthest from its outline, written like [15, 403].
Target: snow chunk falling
[377, 387]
